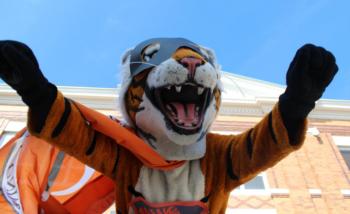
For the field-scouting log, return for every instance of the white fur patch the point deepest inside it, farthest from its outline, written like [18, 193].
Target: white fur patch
[150, 51]
[185, 183]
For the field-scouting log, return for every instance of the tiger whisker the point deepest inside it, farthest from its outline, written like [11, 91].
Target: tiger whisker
[146, 63]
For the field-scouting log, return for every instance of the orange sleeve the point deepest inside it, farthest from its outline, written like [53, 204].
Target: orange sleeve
[66, 128]
[247, 154]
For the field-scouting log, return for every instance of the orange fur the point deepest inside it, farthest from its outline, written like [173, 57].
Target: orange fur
[133, 97]
[217, 95]
[186, 52]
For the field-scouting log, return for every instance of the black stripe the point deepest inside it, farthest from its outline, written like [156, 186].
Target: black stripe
[250, 144]
[149, 137]
[63, 120]
[272, 133]
[205, 199]
[135, 97]
[134, 192]
[81, 113]
[116, 161]
[229, 169]
[139, 109]
[92, 146]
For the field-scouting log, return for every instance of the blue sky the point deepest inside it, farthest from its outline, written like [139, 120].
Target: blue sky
[79, 43]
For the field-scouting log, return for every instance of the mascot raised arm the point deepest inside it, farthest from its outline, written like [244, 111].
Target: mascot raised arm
[170, 96]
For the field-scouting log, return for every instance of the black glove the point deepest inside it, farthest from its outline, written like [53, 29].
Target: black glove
[20, 69]
[310, 72]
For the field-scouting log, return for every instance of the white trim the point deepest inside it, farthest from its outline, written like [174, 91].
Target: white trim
[14, 126]
[343, 144]
[5, 137]
[313, 131]
[341, 141]
[88, 173]
[279, 193]
[345, 193]
[251, 105]
[315, 193]
[98, 98]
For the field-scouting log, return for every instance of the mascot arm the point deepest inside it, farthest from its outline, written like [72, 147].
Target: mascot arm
[51, 116]
[245, 155]
[66, 128]
[283, 130]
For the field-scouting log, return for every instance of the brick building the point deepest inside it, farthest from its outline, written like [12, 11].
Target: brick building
[315, 179]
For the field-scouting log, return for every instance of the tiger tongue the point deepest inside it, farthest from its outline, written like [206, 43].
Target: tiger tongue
[186, 113]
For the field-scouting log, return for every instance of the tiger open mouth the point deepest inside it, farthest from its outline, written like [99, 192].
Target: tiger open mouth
[183, 106]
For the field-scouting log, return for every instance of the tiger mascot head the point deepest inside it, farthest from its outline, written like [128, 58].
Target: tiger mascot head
[171, 94]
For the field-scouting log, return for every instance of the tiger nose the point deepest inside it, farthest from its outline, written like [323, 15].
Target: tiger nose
[191, 64]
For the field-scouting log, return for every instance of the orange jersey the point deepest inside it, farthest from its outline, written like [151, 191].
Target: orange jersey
[38, 176]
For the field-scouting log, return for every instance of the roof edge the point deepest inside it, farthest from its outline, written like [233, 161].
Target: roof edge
[106, 99]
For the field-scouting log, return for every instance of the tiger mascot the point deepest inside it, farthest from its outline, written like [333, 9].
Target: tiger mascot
[170, 96]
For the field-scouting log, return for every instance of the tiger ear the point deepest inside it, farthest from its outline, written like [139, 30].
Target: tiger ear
[126, 56]
[125, 66]
[210, 54]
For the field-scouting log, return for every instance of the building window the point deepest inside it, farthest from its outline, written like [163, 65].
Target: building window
[10, 131]
[345, 152]
[343, 143]
[110, 210]
[258, 185]
[5, 137]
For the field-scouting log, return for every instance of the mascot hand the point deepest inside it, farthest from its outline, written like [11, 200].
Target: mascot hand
[20, 69]
[310, 72]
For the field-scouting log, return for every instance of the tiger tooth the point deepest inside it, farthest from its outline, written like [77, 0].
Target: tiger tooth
[200, 90]
[168, 87]
[180, 122]
[178, 89]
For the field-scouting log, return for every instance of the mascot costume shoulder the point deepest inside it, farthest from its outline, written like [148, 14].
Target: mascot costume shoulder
[167, 161]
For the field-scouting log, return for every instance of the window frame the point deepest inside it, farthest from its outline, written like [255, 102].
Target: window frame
[10, 131]
[241, 190]
[5, 137]
[343, 144]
